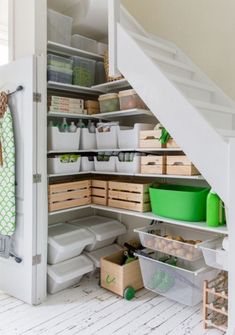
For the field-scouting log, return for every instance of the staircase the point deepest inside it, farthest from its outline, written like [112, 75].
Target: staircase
[198, 115]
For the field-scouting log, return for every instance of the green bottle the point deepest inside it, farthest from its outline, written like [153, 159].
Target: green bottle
[215, 213]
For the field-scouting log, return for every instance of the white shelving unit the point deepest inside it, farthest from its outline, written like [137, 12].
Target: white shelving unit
[53, 85]
[124, 113]
[117, 150]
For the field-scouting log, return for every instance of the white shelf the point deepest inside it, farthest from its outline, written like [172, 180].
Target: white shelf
[53, 85]
[56, 175]
[70, 115]
[154, 150]
[112, 86]
[128, 112]
[70, 51]
[149, 216]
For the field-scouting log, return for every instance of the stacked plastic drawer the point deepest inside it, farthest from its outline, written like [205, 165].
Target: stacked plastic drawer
[75, 248]
[59, 69]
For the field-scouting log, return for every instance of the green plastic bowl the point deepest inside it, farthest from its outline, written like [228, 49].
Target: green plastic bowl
[186, 203]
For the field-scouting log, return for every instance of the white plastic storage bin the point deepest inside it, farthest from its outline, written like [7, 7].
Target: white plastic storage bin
[128, 167]
[129, 137]
[106, 230]
[88, 140]
[107, 140]
[160, 237]
[96, 255]
[106, 166]
[214, 254]
[68, 273]
[59, 27]
[87, 164]
[57, 166]
[66, 241]
[182, 283]
[58, 140]
[84, 43]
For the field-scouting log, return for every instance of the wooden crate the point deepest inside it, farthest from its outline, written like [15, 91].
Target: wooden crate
[92, 107]
[116, 277]
[180, 165]
[150, 139]
[171, 143]
[153, 164]
[131, 196]
[99, 192]
[69, 194]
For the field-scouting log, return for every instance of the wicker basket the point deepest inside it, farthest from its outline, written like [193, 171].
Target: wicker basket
[106, 67]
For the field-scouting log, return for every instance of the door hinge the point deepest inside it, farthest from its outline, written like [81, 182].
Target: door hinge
[37, 97]
[37, 178]
[37, 259]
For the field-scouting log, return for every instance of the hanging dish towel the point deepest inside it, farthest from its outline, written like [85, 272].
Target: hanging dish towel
[7, 176]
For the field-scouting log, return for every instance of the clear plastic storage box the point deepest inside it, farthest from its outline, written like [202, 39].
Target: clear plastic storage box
[59, 62]
[59, 27]
[176, 241]
[66, 241]
[59, 76]
[106, 230]
[182, 283]
[84, 43]
[60, 141]
[100, 76]
[129, 137]
[96, 255]
[68, 273]
[129, 99]
[83, 71]
[109, 103]
[57, 165]
[214, 254]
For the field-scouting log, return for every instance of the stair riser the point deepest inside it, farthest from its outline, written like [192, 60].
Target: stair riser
[195, 93]
[156, 50]
[173, 69]
[219, 120]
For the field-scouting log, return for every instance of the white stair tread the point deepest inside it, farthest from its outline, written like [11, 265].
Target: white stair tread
[168, 61]
[152, 42]
[212, 107]
[226, 132]
[189, 82]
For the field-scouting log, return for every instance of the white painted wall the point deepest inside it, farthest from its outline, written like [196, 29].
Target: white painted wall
[203, 29]
[3, 32]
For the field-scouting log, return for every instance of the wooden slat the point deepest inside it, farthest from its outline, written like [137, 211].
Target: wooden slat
[129, 205]
[129, 187]
[58, 197]
[129, 196]
[69, 186]
[172, 144]
[69, 204]
[99, 200]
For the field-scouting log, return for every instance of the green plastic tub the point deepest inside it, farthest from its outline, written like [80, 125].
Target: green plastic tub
[186, 203]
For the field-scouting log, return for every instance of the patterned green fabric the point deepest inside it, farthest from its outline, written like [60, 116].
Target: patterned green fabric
[7, 176]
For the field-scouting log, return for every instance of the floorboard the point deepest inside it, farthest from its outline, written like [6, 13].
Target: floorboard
[88, 309]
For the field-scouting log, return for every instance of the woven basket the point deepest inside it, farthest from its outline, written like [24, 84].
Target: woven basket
[106, 67]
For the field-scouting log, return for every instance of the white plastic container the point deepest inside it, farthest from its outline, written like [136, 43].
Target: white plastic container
[129, 137]
[87, 165]
[84, 43]
[105, 166]
[214, 255]
[107, 140]
[129, 167]
[59, 27]
[102, 48]
[106, 230]
[68, 273]
[56, 166]
[88, 140]
[58, 140]
[182, 283]
[66, 241]
[96, 255]
[154, 238]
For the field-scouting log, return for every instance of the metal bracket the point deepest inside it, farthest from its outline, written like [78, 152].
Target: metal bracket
[37, 259]
[5, 244]
[37, 178]
[37, 97]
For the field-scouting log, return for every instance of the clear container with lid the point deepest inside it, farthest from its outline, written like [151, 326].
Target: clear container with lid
[109, 102]
[129, 99]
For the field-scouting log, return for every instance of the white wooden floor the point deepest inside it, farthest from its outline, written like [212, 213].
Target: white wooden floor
[88, 309]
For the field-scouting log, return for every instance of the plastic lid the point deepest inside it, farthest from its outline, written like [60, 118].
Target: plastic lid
[108, 96]
[127, 93]
[103, 252]
[103, 228]
[72, 268]
[64, 236]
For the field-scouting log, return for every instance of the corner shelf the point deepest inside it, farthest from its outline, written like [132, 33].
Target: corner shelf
[113, 86]
[66, 50]
[53, 85]
[154, 150]
[70, 115]
[123, 113]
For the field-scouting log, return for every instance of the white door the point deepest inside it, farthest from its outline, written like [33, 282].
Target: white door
[26, 280]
